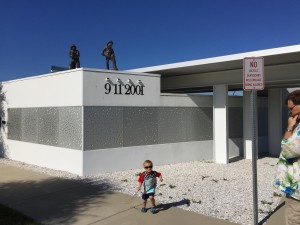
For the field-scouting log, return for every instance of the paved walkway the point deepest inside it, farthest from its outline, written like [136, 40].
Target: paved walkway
[56, 201]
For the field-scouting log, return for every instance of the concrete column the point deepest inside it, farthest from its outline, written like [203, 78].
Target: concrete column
[220, 123]
[274, 120]
[248, 125]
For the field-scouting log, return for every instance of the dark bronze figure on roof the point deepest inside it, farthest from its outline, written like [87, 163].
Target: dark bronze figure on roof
[74, 55]
[109, 54]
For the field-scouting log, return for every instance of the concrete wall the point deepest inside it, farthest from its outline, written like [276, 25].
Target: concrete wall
[46, 113]
[82, 122]
[176, 130]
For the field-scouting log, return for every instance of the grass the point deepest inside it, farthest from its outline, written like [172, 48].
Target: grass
[10, 216]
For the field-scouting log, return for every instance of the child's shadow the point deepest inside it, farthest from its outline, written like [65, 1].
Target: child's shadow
[162, 207]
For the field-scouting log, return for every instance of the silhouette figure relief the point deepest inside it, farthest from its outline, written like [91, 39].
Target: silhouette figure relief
[109, 54]
[74, 55]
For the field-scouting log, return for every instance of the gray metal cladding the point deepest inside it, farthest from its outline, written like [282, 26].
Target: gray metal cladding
[55, 126]
[178, 124]
[29, 125]
[103, 127]
[70, 127]
[140, 126]
[48, 126]
[235, 122]
[199, 124]
[262, 121]
[14, 124]
[171, 125]
[112, 127]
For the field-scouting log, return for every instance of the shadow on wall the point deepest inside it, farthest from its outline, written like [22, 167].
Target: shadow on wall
[2, 147]
[198, 98]
[3, 114]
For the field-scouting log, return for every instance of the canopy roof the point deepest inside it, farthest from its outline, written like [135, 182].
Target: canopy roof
[282, 69]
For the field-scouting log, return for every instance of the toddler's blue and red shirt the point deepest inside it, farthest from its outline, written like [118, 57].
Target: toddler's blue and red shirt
[149, 181]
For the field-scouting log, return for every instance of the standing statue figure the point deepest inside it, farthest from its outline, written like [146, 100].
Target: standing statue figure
[74, 54]
[109, 53]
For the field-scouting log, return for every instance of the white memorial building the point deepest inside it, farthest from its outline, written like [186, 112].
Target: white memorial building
[87, 121]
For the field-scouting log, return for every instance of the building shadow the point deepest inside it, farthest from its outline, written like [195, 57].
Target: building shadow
[54, 200]
[260, 156]
[267, 155]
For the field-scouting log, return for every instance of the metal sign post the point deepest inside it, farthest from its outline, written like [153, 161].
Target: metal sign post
[253, 81]
[254, 156]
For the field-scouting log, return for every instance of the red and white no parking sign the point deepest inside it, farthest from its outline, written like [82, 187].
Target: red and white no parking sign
[254, 73]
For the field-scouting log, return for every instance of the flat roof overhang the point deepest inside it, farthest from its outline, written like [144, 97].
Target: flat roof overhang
[282, 70]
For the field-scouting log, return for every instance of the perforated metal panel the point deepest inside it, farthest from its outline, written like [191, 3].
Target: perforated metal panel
[70, 127]
[29, 125]
[111, 127]
[103, 127]
[140, 126]
[235, 122]
[199, 124]
[49, 126]
[262, 121]
[48, 119]
[14, 124]
[172, 125]
[178, 124]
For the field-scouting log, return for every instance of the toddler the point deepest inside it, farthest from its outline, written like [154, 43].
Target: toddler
[147, 184]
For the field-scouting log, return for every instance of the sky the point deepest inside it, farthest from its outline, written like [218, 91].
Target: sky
[35, 34]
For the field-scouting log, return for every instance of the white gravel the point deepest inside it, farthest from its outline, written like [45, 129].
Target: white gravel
[221, 191]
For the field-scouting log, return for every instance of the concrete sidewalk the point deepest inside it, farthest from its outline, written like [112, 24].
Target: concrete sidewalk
[53, 200]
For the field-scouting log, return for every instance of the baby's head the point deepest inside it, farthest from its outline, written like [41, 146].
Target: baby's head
[148, 165]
